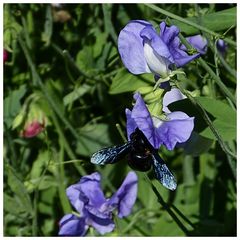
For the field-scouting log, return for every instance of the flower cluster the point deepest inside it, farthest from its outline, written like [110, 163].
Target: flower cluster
[143, 50]
[93, 209]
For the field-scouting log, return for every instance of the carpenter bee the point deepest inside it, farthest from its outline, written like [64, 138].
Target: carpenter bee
[141, 156]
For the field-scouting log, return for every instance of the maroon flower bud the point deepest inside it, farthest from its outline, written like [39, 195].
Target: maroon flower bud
[5, 55]
[32, 129]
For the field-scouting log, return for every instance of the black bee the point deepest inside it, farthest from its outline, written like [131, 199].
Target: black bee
[141, 156]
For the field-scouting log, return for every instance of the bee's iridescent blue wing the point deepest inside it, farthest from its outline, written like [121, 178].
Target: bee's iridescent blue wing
[162, 172]
[111, 154]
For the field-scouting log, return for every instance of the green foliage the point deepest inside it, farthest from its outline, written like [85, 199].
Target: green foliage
[65, 61]
[217, 21]
[124, 81]
[12, 105]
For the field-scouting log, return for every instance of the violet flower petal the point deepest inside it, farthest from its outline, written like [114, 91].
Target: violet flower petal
[130, 47]
[102, 225]
[171, 96]
[198, 42]
[71, 225]
[177, 130]
[143, 120]
[156, 52]
[126, 195]
[181, 58]
[169, 34]
[171, 39]
[86, 191]
[91, 188]
[131, 124]
[75, 197]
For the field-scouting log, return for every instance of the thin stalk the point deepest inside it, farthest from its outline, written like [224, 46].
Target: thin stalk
[171, 15]
[67, 148]
[222, 60]
[182, 216]
[208, 121]
[11, 145]
[36, 192]
[136, 218]
[121, 132]
[68, 58]
[217, 80]
[227, 66]
[50, 100]
[60, 175]
[167, 208]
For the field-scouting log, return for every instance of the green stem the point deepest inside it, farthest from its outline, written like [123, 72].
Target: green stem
[67, 148]
[121, 132]
[222, 60]
[36, 192]
[136, 218]
[208, 121]
[218, 81]
[50, 100]
[182, 216]
[68, 58]
[167, 208]
[171, 15]
[13, 156]
[60, 175]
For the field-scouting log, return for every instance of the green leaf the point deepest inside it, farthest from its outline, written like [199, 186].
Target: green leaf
[197, 145]
[41, 183]
[48, 26]
[39, 164]
[225, 121]
[85, 60]
[12, 205]
[226, 130]
[12, 104]
[165, 226]
[92, 138]
[218, 21]
[101, 39]
[11, 28]
[127, 82]
[108, 23]
[218, 109]
[19, 189]
[75, 94]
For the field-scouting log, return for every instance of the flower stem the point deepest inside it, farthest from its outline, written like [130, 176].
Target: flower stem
[209, 122]
[44, 90]
[216, 78]
[184, 20]
[168, 209]
[66, 146]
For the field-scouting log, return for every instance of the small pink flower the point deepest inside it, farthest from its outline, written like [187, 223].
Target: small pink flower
[32, 129]
[5, 55]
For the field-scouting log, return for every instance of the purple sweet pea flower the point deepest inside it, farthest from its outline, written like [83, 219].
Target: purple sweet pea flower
[198, 42]
[143, 50]
[176, 128]
[95, 210]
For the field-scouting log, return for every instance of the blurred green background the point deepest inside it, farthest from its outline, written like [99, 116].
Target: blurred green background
[63, 66]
